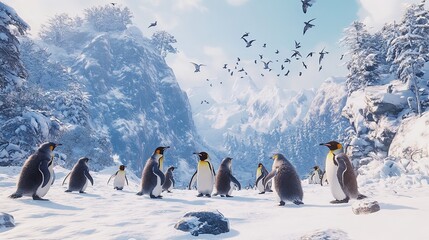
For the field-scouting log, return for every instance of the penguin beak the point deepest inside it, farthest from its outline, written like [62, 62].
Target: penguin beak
[325, 144]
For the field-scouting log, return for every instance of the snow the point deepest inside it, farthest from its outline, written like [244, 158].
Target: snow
[104, 213]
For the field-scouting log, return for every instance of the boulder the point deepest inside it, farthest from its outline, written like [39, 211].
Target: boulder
[203, 222]
[328, 234]
[6, 220]
[365, 207]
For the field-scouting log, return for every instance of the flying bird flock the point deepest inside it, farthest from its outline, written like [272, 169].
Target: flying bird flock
[280, 65]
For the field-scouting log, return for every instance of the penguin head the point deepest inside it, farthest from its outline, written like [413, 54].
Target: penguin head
[171, 168]
[160, 150]
[122, 167]
[202, 155]
[227, 162]
[260, 165]
[316, 167]
[332, 145]
[83, 160]
[49, 146]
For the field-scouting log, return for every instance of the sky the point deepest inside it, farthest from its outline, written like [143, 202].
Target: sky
[209, 32]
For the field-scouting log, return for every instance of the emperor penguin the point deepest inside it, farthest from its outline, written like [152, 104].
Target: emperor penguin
[120, 178]
[169, 180]
[261, 173]
[225, 181]
[316, 175]
[79, 176]
[152, 176]
[340, 174]
[204, 176]
[37, 174]
[287, 184]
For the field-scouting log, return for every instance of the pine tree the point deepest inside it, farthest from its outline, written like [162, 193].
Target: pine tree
[162, 41]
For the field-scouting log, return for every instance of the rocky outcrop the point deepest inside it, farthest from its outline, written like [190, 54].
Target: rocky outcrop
[365, 207]
[203, 222]
[6, 220]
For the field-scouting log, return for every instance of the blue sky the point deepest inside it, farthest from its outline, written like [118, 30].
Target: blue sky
[209, 31]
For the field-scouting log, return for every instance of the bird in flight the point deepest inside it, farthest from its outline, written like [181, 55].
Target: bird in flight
[296, 54]
[305, 5]
[264, 45]
[297, 44]
[113, 4]
[266, 64]
[248, 43]
[303, 64]
[322, 54]
[153, 24]
[197, 66]
[277, 51]
[320, 68]
[310, 54]
[342, 56]
[225, 65]
[246, 34]
[308, 25]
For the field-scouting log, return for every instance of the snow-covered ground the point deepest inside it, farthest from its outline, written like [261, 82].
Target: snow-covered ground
[104, 213]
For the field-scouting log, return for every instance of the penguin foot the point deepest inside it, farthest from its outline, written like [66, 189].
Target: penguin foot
[35, 197]
[262, 193]
[139, 193]
[68, 190]
[345, 200]
[361, 196]
[169, 191]
[155, 197]
[200, 195]
[270, 190]
[208, 195]
[15, 195]
[282, 203]
[228, 195]
[82, 192]
[298, 202]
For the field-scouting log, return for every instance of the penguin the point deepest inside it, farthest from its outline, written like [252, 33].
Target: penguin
[287, 184]
[340, 174]
[120, 178]
[79, 176]
[225, 181]
[204, 176]
[169, 180]
[152, 176]
[261, 173]
[37, 173]
[315, 175]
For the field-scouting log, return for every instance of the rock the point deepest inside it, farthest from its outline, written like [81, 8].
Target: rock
[203, 222]
[329, 234]
[365, 207]
[6, 220]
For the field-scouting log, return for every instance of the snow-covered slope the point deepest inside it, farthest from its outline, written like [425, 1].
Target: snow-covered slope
[104, 213]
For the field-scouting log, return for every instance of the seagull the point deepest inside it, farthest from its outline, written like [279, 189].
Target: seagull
[322, 54]
[153, 24]
[296, 53]
[256, 61]
[287, 60]
[308, 25]
[241, 70]
[260, 56]
[287, 73]
[305, 5]
[297, 44]
[197, 66]
[310, 54]
[300, 74]
[246, 34]
[277, 51]
[232, 73]
[341, 58]
[262, 75]
[282, 67]
[238, 59]
[303, 64]
[264, 45]
[320, 68]
[113, 4]
[248, 43]
[266, 64]
[224, 65]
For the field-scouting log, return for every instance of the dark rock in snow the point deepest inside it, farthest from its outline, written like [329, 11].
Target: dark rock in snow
[6, 220]
[203, 222]
[329, 234]
[365, 207]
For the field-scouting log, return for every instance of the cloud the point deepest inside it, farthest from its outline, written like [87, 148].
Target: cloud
[237, 2]
[189, 5]
[376, 13]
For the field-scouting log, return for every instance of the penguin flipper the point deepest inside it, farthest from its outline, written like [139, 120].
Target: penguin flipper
[53, 178]
[172, 181]
[269, 177]
[65, 178]
[193, 178]
[126, 179]
[111, 177]
[234, 180]
[260, 178]
[342, 168]
[160, 174]
[44, 169]
[89, 177]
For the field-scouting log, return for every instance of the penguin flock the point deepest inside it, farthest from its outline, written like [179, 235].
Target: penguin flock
[37, 176]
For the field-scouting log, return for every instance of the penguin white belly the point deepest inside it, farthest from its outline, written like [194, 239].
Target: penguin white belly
[260, 186]
[331, 175]
[231, 189]
[41, 192]
[84, 186]
[119, 181]
[158, 188]
[205, 180]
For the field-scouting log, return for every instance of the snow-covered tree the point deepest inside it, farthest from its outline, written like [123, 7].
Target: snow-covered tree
[162, 41]
[108, 18]
[364, 56]
[409, 51]
[60, 29]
